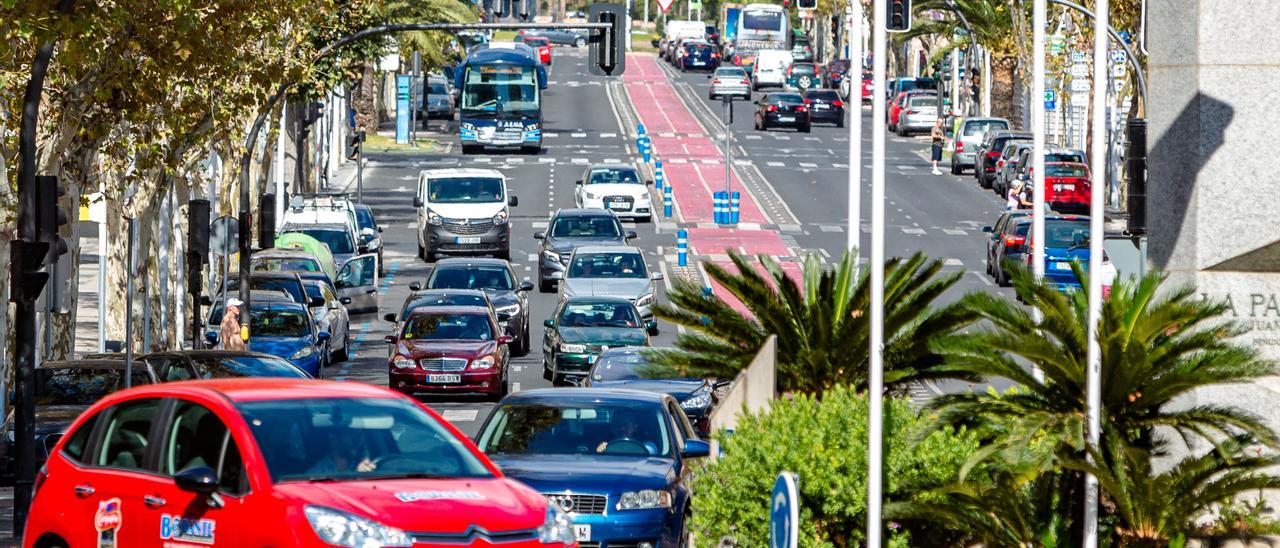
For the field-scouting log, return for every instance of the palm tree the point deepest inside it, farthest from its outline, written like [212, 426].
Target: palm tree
[994, 28]
[821, 325]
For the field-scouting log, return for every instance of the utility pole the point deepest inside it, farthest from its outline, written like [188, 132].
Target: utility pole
[875, 373]
[854, 106]
[1098, 158]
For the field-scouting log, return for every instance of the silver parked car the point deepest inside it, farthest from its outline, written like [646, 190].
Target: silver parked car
[439, 99]
[732, 81]
[611, 271]
[919, 114]
[972, 132]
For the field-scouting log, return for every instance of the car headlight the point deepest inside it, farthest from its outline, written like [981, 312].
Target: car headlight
[644, 500]
[434, 218]
[557, 528]
[302, 353]
[511, 309]
[500, 218]
[343, 529]
[573, 348]
[485, 362]
[468, 126]
[697, 401]
[645, 300]
[402, 362]
[551, 255]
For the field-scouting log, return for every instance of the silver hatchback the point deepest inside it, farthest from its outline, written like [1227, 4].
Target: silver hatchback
[730, 81]
[919, 114]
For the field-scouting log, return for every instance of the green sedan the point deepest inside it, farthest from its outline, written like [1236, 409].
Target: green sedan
[583, 327]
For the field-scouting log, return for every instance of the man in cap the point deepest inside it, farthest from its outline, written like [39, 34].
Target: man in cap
[229, 334]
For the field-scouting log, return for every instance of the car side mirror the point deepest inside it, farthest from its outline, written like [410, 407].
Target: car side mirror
[197, 479]
[526, 286]
[696, 449]
[987, 229]
[344, 300]
[539, 235]
[708, 76]
[211, 337]
[389, 316]
[631, 235]
[415, 286]
[656, 276]
[513, 201]
[389, 339]
[417, 201]
[205, 301]
[363, 248]
[651, 327]
[548, 323]
[368, 232]
[578, 182]
[315, 302]
[505, 339]
[323, 336]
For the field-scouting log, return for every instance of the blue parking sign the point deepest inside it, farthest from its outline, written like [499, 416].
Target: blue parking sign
[784, 513]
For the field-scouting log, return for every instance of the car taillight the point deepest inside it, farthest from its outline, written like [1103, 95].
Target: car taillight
[715, 55]
[808, 102]
[746, 82]
[837, 103]
[801, 108]
[993, 154]
[773, 108]
[1014, 240]
[1000, 163]
[908, 112]
[714, 82]
[959, 146]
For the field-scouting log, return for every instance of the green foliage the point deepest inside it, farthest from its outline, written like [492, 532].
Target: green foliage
[821, 322]
[825, 443]
[1244, 518]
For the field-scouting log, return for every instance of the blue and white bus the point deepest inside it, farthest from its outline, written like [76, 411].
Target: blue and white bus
[501, 99]
[760, 27]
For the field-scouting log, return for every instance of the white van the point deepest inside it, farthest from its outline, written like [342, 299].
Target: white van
[675, 31]
[770, 68]
[463, 212]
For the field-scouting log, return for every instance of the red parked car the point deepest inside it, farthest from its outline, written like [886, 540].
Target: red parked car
[1067, 187]
[450, 350]
[868, 86]
[278, 462]
[542, 46]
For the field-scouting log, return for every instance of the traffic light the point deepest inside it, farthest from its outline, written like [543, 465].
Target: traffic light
[499, 8]
[27, 260]
[806, 5]
[354, 144]
[49, 217]
[267, 221]
[899, 16]
[608, 46]
[526, 9]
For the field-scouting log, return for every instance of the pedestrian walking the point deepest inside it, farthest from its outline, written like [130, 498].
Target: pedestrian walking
[937, 136]
[1107, 274]
[229, 331]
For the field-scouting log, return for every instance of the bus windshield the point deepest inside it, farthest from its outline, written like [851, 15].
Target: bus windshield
[763, 20]
[501, 89]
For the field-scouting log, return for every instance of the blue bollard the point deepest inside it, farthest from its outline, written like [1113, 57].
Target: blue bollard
[733, 207]
[659, 174]
[717, 207]
[667, 202]
[640, 129]
[644, 150]
[682, 248]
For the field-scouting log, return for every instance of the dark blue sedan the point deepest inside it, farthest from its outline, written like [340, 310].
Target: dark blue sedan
[623, 367]
[697, 55]
[286, 330]
[616, 461]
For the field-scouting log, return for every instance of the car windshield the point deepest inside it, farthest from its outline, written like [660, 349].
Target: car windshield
[447, 327]
[340, 439]
[613, 176]
[339, 241]
[610, 314]
[607, 265]
[1065, 170]
[273, 322]
[619, 366]
[465, 190]
[574, 428]
[476, 277]
[585, 227]
[285, 264]
[981, 127]
[1061, 233]
[437, 88]
[364, 216]
[779, 98]
[245, 366]
[82, 386]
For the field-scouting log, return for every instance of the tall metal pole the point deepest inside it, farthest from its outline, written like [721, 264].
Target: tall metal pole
[102, 280]
[875, 375]
[1037, 154]
[281, 195]
[131, 288]
[1096, 196]
[854, 78]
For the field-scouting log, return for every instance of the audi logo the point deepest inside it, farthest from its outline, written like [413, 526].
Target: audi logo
[564, 501]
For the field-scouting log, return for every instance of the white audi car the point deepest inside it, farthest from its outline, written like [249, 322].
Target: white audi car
[616, 187]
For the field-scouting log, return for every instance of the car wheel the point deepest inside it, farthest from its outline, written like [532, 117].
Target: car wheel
[579, 42]
[840, 122]
[557, 380]
[429, 256]
[805, 128]
[504, 388]
[344, 354]
[471, 149]
[524, 340]
[532, 150]
[746, 97]
[1002, 278]
[955, 169]
[984, 182]
[422, 253]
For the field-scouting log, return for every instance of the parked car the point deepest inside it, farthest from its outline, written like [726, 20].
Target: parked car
[970, 134]
[569, 229]
[618, 461]
[918, 115]
[824, 106]
[989, 152]
[613, 271]
[332, 317]
[184, 365]
[782, 110]
[1025, 169]
[583, 327]
[1007, 166]
[1011, 246]
[495, 277]
[623, 368]
[833, 73]
[802, 76]
[440, 98]
[1066, 241]
[450, 350]
[1067, 187]
[996, 233]
[619, 188]
[732, 81]
[278, 462]
[697, 55]
[370, 235]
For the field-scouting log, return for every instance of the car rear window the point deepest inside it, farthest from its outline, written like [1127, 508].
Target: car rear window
[825, 95]
[804, 68]
[981, 127]
[731, 72]
[924, 101]
[1061, 170]
[1063, 157]
[785, 98]
[1063, 233]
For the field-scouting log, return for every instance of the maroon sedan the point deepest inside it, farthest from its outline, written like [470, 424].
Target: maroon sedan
[449, 350]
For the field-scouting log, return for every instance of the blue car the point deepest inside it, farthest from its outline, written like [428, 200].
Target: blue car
[697, 55]
[623, 368]
[616, 461]
[1066, 240]
[286, 330]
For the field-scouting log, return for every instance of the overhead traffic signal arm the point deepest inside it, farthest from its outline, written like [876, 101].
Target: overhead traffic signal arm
[608, 45]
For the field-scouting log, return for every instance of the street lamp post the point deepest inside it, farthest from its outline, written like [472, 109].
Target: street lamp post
[1098, 157]
[1038, 22]
[875, 373]
[854, 106]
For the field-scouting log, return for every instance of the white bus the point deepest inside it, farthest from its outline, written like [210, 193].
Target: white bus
[761, 27]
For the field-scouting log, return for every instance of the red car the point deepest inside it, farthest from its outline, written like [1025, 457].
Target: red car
[868, 86]
[278, 462]
[542, 46]
[450, 350]
[1067, 186]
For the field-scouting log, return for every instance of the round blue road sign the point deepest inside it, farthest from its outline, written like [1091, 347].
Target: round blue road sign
[784, 513]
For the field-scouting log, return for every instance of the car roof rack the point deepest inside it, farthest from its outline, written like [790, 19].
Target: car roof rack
[319, 200]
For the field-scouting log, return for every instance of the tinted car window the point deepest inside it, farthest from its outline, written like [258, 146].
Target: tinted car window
[979, 127]
[599, 315]
[1063, 157]
[245, 366]
[607, 265]
[731, 72]
[279, 323]
[1059, 233]
[824, 95]
[124, 443]
[441, 327]
[585, 227]
[292, 288]
[785, 98]
[479, 277]
[329, 439]
[82, 386]
[437, 88]
[285, 264]
[1060, 170]
[577, 428]
[76, 442]
[618, 367]
[196, 438]
[465, 190]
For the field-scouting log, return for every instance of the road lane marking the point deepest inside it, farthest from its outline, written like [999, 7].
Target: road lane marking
[462, 415]
[955, 232]
[916, 231]
[775, 164]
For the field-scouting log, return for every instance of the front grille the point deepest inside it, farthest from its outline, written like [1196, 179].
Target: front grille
[580, 504]
[468, 227]
[443, 364]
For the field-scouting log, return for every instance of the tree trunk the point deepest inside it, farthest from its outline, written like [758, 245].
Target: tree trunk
[362, 99]
[1002, 86]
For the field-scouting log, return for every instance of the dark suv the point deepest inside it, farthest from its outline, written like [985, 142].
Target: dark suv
[570, 228]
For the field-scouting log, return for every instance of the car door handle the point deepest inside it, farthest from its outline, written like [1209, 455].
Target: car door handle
[84, 490]
[153, 501]
[371, 291]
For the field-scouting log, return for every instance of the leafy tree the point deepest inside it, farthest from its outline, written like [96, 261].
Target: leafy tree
[821, 324]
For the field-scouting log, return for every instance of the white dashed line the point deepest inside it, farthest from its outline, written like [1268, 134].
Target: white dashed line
[955, 232]
[916, 231]
[462, 415]
[775, 164]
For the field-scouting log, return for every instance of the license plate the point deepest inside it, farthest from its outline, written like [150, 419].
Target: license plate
[582, 533]
[786, 118]
[699, 63]
[1062, 266]
[821, 106]
[444, 379]
[467, 240]
[618, 205]
[1061, 188]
